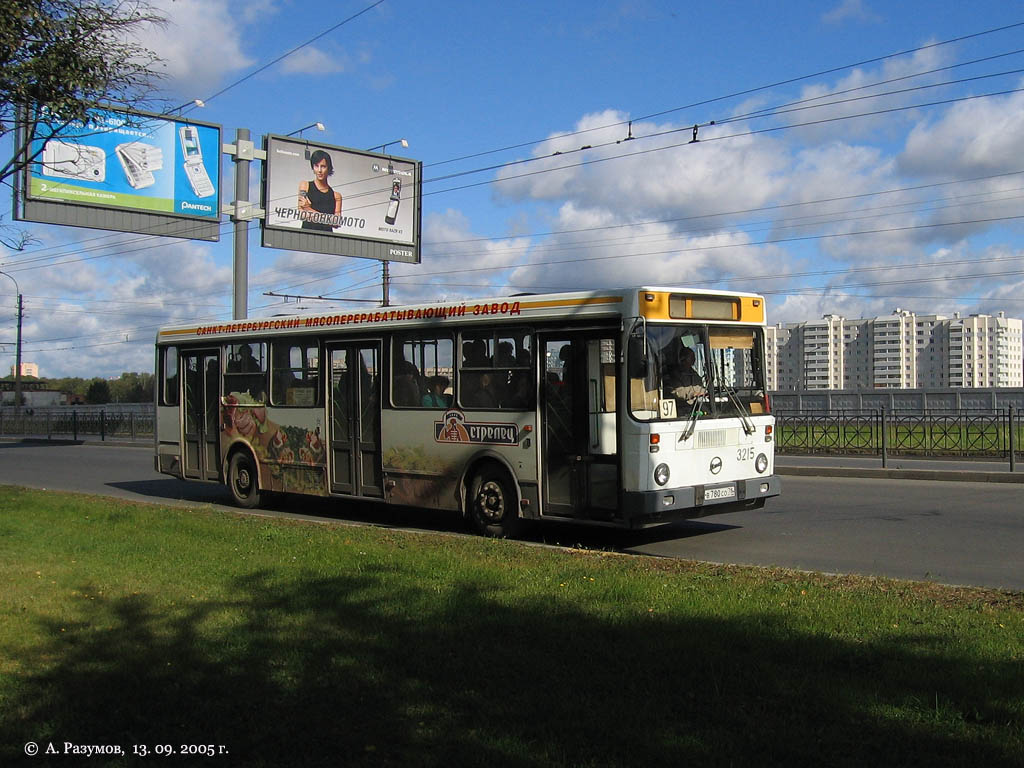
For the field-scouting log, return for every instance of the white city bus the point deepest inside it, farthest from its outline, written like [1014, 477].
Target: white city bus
[626, 408]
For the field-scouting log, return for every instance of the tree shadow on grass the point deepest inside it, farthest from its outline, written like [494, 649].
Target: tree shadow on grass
[339, 671]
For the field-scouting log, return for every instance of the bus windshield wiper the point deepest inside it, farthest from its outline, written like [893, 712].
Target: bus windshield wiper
[748, 425]
[691, 422]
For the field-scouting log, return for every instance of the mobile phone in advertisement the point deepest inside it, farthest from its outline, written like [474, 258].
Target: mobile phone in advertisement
[396, 200]
[194, 168]
[67, 160]
[139, 160]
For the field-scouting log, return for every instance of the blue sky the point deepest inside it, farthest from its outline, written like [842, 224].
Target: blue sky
[910, 199]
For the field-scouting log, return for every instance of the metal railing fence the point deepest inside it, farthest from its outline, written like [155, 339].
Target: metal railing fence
[74, 424]
[965, 432]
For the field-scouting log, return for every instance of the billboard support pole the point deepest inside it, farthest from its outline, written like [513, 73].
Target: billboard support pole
[242, 212]
[386, 286]
[240, 282]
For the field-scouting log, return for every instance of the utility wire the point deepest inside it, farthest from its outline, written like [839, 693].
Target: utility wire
[675, 109]
[666, 111]
[297, 48]
[746, 92]
[23, 264]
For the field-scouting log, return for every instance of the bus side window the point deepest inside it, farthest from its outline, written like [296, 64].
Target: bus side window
[496, 370]
[294, 373]
[421, 369]
[245, 376]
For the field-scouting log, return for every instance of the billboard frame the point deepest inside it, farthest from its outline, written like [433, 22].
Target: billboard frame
[403, 247]
[114, 217]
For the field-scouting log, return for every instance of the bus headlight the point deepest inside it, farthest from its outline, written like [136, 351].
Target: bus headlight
[761, 463]
[661, 474]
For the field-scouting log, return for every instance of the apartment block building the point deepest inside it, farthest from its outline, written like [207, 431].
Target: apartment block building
[27, 369]
[903, 350]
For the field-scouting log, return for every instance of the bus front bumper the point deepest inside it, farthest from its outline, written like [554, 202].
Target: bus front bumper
[646, 508]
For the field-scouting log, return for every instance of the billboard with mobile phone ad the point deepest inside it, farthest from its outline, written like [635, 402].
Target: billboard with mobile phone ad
[156, 166]
[325, 199]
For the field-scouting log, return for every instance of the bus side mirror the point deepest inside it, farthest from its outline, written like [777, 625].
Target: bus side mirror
[637, 364]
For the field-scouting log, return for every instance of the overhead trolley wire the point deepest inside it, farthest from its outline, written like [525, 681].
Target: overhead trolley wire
[746, 92]
[22, 264]
[749, 91]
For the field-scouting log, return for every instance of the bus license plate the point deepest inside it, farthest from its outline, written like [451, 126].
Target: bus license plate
[720, 493]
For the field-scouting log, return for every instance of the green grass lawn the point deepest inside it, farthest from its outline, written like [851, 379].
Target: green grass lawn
[284, 643]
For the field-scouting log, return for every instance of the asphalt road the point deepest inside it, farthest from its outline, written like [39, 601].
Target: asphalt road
[962, 533]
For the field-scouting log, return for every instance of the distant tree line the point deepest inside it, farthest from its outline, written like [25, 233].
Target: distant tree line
[130, 388]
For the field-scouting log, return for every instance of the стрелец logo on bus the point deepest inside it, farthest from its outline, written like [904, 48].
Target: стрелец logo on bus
[455, 429]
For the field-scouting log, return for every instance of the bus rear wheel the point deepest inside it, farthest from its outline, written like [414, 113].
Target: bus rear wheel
[492, 504]
[243, 479]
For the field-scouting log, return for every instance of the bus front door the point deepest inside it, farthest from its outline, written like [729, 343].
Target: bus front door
[580, 464]
[202, 413]
[354, 404]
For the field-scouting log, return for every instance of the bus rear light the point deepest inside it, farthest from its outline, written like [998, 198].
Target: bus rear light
[768, 433]
[655, 441]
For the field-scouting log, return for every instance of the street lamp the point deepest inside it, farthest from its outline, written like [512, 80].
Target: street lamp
[17, 357]
[382, 147]
[318, 125]
[193, 103]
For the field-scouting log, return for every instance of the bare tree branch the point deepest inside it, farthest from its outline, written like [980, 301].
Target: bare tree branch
[62, 59]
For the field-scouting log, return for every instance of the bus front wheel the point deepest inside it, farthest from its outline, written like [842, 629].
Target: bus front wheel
[243, 478]
[492, 504]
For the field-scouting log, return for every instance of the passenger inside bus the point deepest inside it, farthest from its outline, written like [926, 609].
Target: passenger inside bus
[284, 378]
[435, 396]
[406, 383]
[479, 390]
[474, 354]
[245, 373]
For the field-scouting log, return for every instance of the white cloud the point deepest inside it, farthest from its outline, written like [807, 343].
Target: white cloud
[851, 10]
[457, 262]
[854, 106]
[803, 206]
[312, 61]
[649, 176]
[99, 317]
[972, 138]
[196, 29]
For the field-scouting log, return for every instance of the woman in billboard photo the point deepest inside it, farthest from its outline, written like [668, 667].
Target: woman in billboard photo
[317, 196]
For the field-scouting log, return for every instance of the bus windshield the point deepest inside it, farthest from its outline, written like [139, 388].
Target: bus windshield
[696, 372]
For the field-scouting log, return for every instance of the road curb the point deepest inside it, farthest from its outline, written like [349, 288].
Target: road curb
[904, 474]
[113, 442]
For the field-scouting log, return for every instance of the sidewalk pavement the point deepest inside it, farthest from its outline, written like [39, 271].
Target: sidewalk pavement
[900, 468]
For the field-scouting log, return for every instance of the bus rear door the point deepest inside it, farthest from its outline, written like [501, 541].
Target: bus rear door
[202, 413]
[354, 407]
